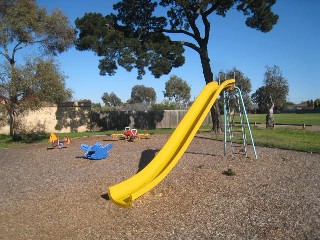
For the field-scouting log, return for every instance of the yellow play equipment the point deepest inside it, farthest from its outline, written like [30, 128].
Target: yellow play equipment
[124, 193]
[56, 142]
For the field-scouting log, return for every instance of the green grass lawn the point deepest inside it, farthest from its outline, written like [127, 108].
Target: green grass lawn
[288, 138]
[284, 138]
[288, 118]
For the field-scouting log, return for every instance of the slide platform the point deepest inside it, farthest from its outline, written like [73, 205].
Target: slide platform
[124, 193]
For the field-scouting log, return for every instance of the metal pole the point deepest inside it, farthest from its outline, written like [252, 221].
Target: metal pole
[225, 123]
[248, 124]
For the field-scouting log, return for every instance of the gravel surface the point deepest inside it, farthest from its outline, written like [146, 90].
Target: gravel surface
[57, 194]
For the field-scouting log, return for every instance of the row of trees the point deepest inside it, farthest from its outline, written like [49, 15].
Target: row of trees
[314, 104]
[176, 89]
[269, 98]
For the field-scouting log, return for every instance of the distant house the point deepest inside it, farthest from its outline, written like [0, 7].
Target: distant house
[302, 105]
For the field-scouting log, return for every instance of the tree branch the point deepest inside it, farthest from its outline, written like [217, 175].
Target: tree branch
[3, 54]
[193, 25]
[211, 9]
[190, 45]
[206, 28]
[17, 48]
[6, 55]
[5, 46]
[178, 31]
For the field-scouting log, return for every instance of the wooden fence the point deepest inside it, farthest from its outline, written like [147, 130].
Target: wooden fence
[138, 119]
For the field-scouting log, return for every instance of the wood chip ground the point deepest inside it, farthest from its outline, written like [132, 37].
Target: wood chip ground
[57, 194]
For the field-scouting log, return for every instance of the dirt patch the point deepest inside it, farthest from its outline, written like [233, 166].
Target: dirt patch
[57, 194]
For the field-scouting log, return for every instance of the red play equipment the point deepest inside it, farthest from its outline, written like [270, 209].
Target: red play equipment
[130, 134]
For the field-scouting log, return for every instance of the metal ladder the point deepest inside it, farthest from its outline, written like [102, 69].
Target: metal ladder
[232, 103]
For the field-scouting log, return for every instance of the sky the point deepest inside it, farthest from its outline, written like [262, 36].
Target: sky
[293, 44]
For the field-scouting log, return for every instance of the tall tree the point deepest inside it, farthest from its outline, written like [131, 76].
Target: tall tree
[260, 97]
[272, 96]
[111, 99]
[142, 94]
[24, 25]
[137, 37]
[178, 89]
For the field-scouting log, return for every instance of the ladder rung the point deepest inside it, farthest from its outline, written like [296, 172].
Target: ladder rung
[240, 153]
[238, 146]
[237, 139]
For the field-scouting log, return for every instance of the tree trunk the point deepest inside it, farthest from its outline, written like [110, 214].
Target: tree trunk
[13, 122]
[269, 120]
[12, 104]
[208, 76]
[216, 118]
[12, 108]
[269, 116]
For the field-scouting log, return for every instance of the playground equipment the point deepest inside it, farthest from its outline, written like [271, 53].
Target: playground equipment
[124, 193]
[57, 143]
[97, 151]
[233, 105]
[130, 134]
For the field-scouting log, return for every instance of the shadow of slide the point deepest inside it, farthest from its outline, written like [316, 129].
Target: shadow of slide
[146, 158]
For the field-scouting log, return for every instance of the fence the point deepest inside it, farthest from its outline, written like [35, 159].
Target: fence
[138, 119]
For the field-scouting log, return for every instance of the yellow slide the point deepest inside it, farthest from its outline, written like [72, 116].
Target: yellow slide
[124, 193]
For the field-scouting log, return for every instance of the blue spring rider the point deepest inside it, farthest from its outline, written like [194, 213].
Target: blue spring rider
[97, 151]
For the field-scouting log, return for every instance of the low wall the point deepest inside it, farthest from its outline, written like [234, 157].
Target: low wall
[78, 117]
[67, 117]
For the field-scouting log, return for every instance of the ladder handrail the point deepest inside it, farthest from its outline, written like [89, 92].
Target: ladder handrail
[248, 123]
[225, 123]
[244, 136]
[228, 124]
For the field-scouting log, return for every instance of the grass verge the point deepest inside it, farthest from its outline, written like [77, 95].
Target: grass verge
[288, 118]
[284, 138]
